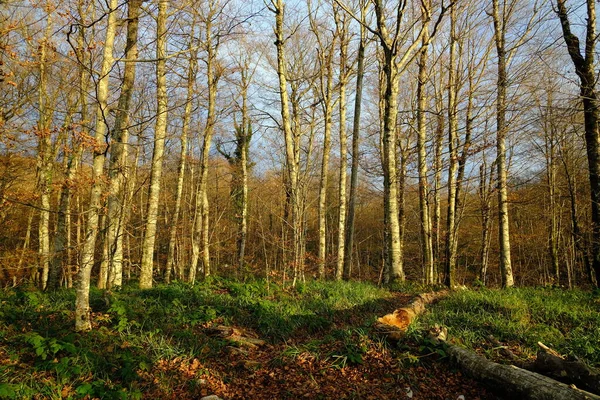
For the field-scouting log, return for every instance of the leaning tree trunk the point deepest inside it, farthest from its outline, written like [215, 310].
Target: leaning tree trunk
[160, 132]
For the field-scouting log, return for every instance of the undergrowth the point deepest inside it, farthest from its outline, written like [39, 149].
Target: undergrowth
[566, 320]
[138, 333]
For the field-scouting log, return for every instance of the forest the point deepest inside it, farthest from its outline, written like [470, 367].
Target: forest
[198, 197]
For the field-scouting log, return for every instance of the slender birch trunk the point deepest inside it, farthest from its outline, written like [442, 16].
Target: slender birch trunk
[212, 80]
[160, 132]
[82, 303]
[501, 131]
[424, 212]
[344, 75]
[453, 158]
[360, 72]
[183, 141]
[117, 170]
[44, 163]
[292, 165]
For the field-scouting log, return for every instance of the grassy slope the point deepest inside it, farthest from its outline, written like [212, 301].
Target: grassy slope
[567, 320]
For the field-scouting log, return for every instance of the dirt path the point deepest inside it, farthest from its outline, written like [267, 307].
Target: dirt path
[344, 363]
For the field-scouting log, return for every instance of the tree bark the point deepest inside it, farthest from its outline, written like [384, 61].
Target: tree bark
[160, 132]
[360, 72]
[585, 70]
[117, 170]
[501, 130]
[513, 381]
[82, 303]
[183, 141]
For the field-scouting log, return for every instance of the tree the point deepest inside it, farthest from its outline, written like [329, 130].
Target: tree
[117, 170]
[586, 71]
[160, 132]
[82, 300]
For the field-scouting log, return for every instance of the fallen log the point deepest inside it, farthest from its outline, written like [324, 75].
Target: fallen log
[568, 370]
[394, 325]
[513, 381]
[235, 335]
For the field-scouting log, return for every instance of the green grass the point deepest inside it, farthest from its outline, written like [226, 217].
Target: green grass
[134, 330]
[567, 320]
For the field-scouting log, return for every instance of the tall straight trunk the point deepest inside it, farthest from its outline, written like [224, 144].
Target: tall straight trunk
[396, 271]
[160, 132]
[117, 170]
[585, 69]
[183, 141]
[426, 237]
[453, 158]
[44, 163]
[339, 271]
[244, 136]
[550, 158]
[360, 72]
[485, 181]
[437, 185]
[60, 257]
[501, 130]
[326, 62]
[292, 164]
[212, 80]
[82, 300]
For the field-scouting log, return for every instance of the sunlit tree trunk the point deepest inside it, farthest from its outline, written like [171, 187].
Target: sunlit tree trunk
[450, 261]
[183, 141]
[424, 213]
[82, 303]
[117, 170]
[160, 131]
[344, 72]
[44, 163]
[360, 72]
[290, 150]
[501, 131]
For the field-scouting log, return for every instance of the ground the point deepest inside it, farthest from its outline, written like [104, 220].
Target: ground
[319, 341]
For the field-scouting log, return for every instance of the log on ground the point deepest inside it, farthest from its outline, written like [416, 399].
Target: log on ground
[394, 325]
[513, 381]
[568, 370]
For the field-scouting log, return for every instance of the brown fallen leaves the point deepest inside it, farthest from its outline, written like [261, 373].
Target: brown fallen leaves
[315, 371]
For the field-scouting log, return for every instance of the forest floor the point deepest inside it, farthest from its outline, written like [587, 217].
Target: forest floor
[158, 343]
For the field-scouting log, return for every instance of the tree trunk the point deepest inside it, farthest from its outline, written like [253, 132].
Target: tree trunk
[44, 163]
[585, 69]
[290, 148]
[342, 27]
[117, 170]
[360, 72]
[513, 381]
[501, 130]
[82, 303]
[160, 132]
[191, 80]
[426, 239]
[453, 158]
